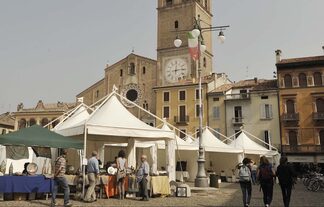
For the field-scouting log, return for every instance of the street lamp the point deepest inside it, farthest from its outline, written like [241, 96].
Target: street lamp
[201, 178]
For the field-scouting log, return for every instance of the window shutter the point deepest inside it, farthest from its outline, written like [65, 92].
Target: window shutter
[285, 108]
[314, 107]
[262, 107]
[270, 141]
[270, 111]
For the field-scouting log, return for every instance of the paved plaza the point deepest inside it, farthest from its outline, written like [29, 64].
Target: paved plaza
[228, 195]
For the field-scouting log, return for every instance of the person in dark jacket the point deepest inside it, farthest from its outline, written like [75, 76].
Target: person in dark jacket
[265, 176]
[286, 176]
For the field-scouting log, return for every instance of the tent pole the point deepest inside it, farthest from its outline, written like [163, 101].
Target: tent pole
[83, 159]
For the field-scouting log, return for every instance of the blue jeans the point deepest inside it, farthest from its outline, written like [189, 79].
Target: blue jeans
[246, 188]
[254, 177]
[61, 181]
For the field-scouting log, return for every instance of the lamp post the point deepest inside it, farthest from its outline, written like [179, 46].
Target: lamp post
[201, 178]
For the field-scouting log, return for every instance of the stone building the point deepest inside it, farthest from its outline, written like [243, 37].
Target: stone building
[134, 77]
[41, 114]
[7, 123]
[301, 100]
[251, 104]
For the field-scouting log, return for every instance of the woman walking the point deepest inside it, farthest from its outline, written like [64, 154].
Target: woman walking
[121, 173]
[245, 181]
[265, 175]
[286, 176]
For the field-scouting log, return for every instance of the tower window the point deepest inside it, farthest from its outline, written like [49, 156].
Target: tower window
[204, 62]
[168, 2]
[144, 70]
[97, 93]
[176, 24]
[121, 73]
[132, 69]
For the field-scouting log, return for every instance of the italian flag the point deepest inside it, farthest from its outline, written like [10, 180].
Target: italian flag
[193, 46]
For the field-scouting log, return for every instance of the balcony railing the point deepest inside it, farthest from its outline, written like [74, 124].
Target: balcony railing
[237, 120]
[302, 148]
[318, 116]
[238, 96]
[181, 119]
[290, 117]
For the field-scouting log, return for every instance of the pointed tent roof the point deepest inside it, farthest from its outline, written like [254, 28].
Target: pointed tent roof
[39, 136]
[182, 144]
[111, 118]
[79, 115]
[213, 144]
[249, 146]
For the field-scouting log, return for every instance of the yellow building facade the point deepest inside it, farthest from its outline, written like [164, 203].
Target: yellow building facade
[301, 100]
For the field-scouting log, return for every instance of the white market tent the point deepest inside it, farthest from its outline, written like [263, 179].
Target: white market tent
[249, 146]
[111, 122]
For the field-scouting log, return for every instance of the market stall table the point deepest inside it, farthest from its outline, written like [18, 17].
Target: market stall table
[25, 184]
[160, 185]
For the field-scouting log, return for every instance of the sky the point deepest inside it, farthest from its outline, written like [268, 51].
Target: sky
[53, 50]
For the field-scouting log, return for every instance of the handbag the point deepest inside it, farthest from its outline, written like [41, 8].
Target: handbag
[121, 174]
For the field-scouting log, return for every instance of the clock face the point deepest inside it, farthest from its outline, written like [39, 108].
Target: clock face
[176, 69]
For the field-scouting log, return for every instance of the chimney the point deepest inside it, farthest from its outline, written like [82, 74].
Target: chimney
[278, 55]
[255, 80]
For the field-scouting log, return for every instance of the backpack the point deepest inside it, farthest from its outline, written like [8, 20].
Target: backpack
[265, 173]
[245, 174]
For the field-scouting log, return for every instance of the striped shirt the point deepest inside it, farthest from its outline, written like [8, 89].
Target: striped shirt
[60, 163]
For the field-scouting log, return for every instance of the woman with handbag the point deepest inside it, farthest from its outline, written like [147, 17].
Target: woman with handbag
[121, 173]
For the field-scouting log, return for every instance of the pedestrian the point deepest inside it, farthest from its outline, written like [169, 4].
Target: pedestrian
[143, 176]
[254, 173]
[121, 173]
[245, 181]
[265, 176]
[93, 173]
[287, 178]
[60, 180]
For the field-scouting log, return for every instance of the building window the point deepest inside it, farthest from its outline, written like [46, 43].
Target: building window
[145, 105]
[267, 139]
[266, 111]
[143, 70]
[168, 2]
[182, 133]
[237, 133]
[320, 105]
[44, 121]
[292, 138]
[288, 81]
[216, 114]
[121, 73]
[97, 93]
[215, 99]
[132, 69]
[166, 96]
[302, 80]
[318, 79]
[204, 62]
[238, 114]
[197, 110]
[182, 95]
[321, 137]
[264, 97]
[182, 113]
[166, 112]
[290, 106]
[32, 122]
[22, 123]
[176, 24]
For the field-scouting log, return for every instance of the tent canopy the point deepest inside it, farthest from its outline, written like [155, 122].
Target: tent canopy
[112, 119]
[249, 146]
[41, 137]
[213, 144]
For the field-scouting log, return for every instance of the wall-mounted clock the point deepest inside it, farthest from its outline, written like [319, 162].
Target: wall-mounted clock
[175, 69]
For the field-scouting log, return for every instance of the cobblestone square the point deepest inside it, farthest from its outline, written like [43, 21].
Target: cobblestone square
[228, 195]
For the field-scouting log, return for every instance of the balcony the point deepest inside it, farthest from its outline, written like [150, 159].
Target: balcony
[318, 116]
[238, 96]
[294, 117]
[181, 120]
[237, 121]
[302, 149]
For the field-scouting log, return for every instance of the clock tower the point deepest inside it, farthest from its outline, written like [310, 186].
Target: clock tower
[177, 18]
